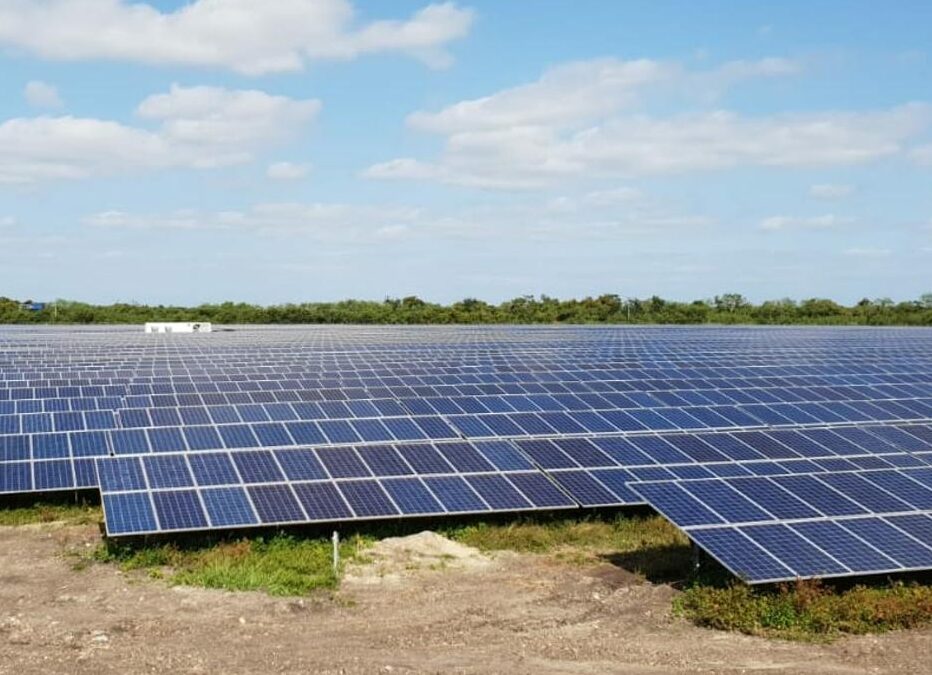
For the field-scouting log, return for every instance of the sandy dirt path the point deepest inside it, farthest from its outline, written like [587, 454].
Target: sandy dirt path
[458, 614]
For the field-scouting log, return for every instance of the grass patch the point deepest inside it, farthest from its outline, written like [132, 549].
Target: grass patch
[647, 545]
[71, 514]
[808, 610]
[280, 565]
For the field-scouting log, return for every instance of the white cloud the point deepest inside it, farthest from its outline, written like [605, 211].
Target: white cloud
[41, 95]
[922, 155]
[823, 222]
[581, 91]
[354, 223]
[591, 118]
[408, 168]
[868, 252]
[392, 231]
[7, 221]
[287, 171]
[615, 197]
[212, 116]
[566, 94]
[324, 221]
[198, 127]
[830, 191]
[247, 36]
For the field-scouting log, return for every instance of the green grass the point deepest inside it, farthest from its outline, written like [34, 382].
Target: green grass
[71, 514]
[280, 565]
[292, 565]
[808, 611]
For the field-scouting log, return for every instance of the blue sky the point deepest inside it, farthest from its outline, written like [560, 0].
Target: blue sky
[290, 150]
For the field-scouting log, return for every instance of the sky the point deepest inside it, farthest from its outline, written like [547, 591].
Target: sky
[313, 150]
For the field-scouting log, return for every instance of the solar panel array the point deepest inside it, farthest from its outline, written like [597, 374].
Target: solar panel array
[261, 426]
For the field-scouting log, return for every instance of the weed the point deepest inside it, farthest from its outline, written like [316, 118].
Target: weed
[280, 565]
[808, 610]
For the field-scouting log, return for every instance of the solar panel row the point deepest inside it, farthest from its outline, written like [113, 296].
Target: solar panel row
[585, 470]
[193, 491]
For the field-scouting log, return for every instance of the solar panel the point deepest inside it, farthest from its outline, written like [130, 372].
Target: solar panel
[767, 529]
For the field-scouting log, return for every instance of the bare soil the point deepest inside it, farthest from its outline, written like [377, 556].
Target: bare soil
[408, 611]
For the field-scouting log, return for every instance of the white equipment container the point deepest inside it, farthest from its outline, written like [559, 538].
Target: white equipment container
[178, 327]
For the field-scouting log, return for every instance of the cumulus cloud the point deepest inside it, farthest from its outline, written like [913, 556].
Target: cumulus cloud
[592, 118]
[196, 127]
[823, 222]
[287, 171]
[830, 191]
[247, 36]
[41, 95]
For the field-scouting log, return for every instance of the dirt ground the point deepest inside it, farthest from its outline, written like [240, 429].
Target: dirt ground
[446, 610]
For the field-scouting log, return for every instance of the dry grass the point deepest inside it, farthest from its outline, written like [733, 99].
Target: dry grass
[71, 514]
[646, 545]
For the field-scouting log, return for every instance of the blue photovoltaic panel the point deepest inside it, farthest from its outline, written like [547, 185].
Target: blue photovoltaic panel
[300, 464]
[228, 507]
[275, 504]
[835, 524]
[498, 493]
[322, 501]
[213, 469]
[179, 510]
[129, 513]
[455, 494]
[740, 554]
[367, 498]
[257, 466]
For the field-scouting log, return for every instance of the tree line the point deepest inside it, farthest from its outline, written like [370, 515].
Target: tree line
[729, 308]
